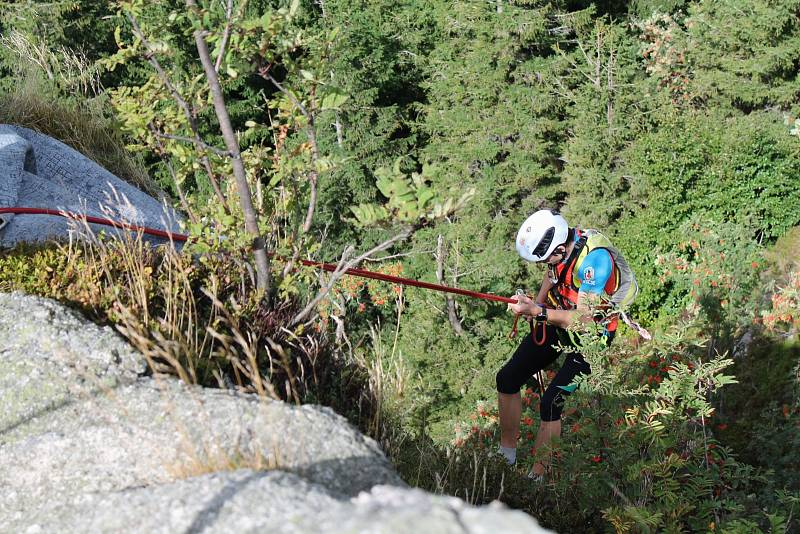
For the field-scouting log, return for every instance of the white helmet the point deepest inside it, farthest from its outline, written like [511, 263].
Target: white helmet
[540, 234]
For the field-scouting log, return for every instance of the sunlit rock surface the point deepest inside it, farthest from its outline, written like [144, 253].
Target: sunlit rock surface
[88, 443]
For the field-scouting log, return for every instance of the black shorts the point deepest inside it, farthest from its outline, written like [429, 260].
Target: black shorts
[530, 358]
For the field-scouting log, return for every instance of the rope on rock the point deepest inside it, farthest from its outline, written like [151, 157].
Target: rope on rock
[329, 267]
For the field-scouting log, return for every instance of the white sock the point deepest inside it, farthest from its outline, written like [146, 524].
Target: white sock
[510, 454]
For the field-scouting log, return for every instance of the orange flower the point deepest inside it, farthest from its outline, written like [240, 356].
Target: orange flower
[527, 421]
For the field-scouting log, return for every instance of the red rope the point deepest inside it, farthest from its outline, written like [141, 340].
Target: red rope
[97, 220]
[541, 326]
[330, 267]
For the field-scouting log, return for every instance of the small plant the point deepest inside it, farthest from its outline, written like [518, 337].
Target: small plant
[784, 314]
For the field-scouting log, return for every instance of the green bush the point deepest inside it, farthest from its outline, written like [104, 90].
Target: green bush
[639, 444]
[735, 174]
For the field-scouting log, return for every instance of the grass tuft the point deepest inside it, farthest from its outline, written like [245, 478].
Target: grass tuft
[82, 124]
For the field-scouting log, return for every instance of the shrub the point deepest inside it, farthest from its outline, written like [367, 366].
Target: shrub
[639, 444]
[733, 173]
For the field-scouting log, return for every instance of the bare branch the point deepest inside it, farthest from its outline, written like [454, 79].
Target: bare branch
[399, 255]
[215, 150]
[225, 35]
[313, 175]
[168, 163]
[339, 133]
[341, 269]
[264, 73]
[187, 111]
[312, 140]
[451, 303]
[232, 143]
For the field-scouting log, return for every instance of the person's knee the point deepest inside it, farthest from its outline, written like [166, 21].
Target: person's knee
[506, 382]
[551, 405]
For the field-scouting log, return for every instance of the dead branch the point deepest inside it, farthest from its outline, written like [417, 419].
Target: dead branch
[341, 269]
[451, 303]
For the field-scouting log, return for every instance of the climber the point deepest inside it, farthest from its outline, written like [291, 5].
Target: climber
[587, 279]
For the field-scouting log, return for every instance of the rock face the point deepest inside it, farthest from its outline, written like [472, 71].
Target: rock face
[37, 171]
[87, 443]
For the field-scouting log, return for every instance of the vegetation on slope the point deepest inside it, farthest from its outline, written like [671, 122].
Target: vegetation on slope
[669, 125]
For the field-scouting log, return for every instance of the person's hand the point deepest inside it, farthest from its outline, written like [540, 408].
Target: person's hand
[524, 305]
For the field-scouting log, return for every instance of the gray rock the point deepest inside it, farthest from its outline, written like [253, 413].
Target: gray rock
[36, 171]
[89, 444]
[50, 357]
[271, 501]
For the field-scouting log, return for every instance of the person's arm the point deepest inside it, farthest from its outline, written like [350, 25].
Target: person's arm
[525, 306]
[594, 272]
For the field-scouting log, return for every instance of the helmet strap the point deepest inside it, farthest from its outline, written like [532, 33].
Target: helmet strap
[570, 238]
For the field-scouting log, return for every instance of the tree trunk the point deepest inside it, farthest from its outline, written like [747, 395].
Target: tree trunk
[232, 144]
[451, 303]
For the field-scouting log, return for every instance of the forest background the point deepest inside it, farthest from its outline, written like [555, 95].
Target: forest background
[414, 136]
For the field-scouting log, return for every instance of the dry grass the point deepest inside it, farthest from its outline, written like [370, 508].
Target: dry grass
[151, 299]
[198, 319]
[59, 94]
[386, 382]
[81, 124]
[202, 458]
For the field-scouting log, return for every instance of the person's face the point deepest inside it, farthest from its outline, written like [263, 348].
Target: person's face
[556, 256]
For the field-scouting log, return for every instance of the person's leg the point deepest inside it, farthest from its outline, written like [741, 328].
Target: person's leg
[553, 402]
[528, 359]
[510, 407]
[547, 431]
